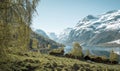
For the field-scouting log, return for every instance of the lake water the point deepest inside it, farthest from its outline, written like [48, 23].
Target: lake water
[99, 51]
[94, 48]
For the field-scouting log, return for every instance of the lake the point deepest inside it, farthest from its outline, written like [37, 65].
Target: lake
[95, 50]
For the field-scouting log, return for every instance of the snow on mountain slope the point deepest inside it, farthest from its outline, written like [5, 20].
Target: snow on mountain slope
[95, 30]
[64, 35]
[113, 43]
[116, 41]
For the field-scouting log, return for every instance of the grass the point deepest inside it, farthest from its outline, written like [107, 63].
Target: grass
[34, 61]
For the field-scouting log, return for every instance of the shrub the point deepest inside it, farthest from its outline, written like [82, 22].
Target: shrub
[87, 53]
[76, 51]
[34, 43]
[49, 46]
[113, 57]
[57, 52]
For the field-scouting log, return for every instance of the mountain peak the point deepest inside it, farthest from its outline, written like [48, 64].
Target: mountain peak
[67, 29]
[41, 32]
[86, 19]
[89, 17]
[112, 11]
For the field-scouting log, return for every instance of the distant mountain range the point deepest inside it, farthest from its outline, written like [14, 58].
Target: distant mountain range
[50, 35]
[53, 36]
[43, 39]
[41, 32]
[101, 30]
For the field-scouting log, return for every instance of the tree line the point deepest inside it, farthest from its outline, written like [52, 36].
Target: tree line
[76, 53]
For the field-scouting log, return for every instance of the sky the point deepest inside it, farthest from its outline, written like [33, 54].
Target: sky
[57, 15]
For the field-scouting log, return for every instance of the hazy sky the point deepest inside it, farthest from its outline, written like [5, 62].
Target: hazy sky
[56, 15]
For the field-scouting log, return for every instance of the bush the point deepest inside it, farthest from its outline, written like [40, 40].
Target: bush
[77, 50]
[87, 53]
[113, 57]
[57, 52]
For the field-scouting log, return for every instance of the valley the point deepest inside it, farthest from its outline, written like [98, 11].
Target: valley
[59, 35]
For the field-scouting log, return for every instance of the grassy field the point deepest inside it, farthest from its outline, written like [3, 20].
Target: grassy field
[34, 61]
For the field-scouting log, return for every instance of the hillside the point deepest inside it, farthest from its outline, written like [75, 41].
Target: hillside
[44, 42]
[33, 61]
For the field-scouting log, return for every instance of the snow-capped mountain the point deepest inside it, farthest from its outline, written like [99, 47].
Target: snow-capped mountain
[53, 36]
[63, 36]
[95, 30]
[41, 32]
